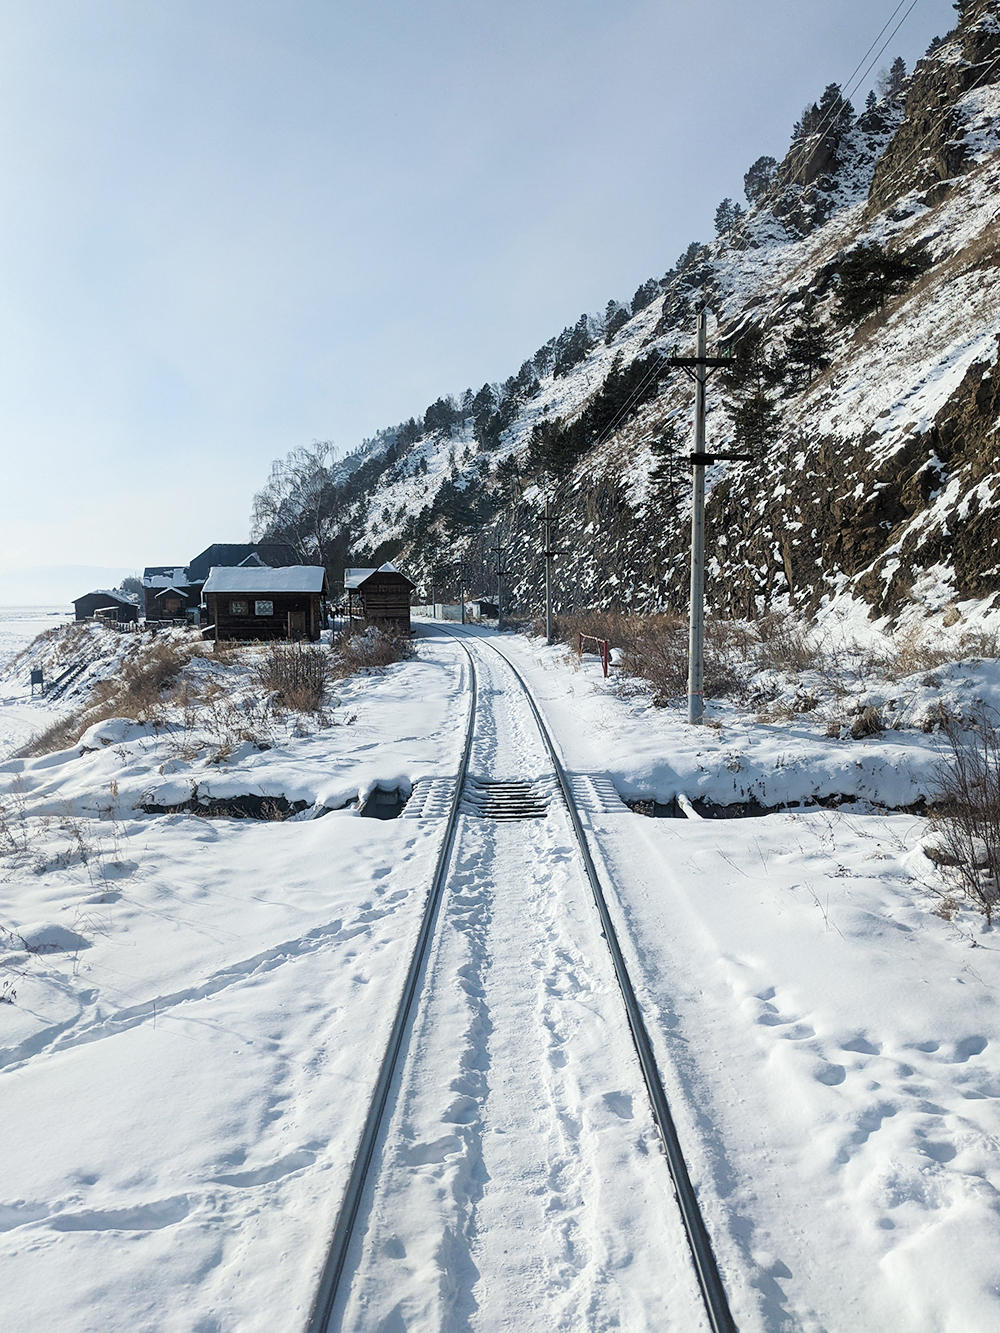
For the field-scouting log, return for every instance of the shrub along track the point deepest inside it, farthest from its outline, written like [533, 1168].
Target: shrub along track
[504, 1177]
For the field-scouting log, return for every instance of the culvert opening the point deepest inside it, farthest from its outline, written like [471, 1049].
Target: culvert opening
[383, 804]
[755, 810]
[269, 808]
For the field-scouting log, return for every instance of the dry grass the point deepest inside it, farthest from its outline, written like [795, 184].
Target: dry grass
[135, 692]
[295, 674]
[655, 648]
[968, 822]
[372, 649]
[785, 644]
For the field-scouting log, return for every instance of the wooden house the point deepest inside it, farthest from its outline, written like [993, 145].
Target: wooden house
[254, 602]
[174, 592]
[276, 555]
[379, 594]
[107, 604]
[168, 593]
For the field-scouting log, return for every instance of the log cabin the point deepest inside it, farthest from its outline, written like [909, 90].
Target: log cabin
[259, 603]
[112, 605]
[379, 594]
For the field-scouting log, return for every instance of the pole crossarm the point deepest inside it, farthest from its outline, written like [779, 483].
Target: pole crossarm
[712, 361]
[704, 460]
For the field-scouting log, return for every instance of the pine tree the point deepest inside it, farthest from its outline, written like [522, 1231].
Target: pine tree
[870, 275]
[897, 76]
[759, 179]
[665, 476]
[751, 376]
[441, 415]
[807, 346]
[836, 114]
[750, 367]
[572, 346]
[645, 295]
[807, 124]
[756, 421]
[616, 316]
[726, 216]
[871, 102]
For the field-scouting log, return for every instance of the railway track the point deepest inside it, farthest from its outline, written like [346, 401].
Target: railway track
[504, 1177]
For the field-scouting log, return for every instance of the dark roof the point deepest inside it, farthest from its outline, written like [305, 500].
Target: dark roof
[357, 578]
[275, 554]
[105, 594]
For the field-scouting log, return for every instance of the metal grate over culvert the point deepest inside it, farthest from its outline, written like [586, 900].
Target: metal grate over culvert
[506, 800]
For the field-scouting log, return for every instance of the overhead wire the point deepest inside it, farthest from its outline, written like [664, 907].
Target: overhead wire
[851, 86]
[849, 89]
[979, 83]
[821, 128]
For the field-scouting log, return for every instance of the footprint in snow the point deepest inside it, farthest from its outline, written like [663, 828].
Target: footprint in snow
[862, 1046]
[620, 1104]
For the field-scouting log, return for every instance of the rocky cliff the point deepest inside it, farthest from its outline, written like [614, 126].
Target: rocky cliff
[878, 479]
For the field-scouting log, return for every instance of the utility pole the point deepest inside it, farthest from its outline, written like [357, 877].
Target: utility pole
[698, 367]
[549, 557]
[499, 554]
[460, 571]
[549, 520]
[696, 630]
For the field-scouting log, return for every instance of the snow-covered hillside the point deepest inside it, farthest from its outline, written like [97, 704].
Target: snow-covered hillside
[876, 482]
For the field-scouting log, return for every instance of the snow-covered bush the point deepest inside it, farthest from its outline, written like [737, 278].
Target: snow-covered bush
[295, 674]
[968, 841]
[373, 649]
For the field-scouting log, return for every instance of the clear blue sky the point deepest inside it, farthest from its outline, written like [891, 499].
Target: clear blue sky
[230, 227]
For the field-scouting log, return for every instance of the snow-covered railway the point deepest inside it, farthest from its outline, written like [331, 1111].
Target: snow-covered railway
[509, 1174]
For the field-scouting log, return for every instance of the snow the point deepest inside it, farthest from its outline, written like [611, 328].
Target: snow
[21, 716]
[200, 1004]
[290, 578]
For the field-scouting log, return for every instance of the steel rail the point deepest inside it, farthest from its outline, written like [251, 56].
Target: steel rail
[703, 1256]
[333, 1268]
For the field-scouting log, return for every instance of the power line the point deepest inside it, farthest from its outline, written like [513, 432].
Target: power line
[941, 119]
[823, 126]
[849, 91]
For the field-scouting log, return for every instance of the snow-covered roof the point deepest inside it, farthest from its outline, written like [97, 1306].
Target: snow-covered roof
[291, 578]
[353, 578]
[181, 592]
[164, 576]
[106, 592]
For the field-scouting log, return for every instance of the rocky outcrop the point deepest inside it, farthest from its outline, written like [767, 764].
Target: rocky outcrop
[927, 151]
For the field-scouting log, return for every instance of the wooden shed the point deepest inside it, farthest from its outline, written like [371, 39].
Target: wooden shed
[379, 594]
[168, 593]
[111, 605]
[255, 603]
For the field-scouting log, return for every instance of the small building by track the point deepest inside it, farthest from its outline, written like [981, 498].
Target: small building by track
[107, 605]
[381, 594]
[259, 603]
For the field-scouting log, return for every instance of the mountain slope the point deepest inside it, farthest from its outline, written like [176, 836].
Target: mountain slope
[878, 480]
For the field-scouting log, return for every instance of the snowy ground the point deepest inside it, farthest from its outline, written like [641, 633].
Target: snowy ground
[199, 1009]
[20, 715]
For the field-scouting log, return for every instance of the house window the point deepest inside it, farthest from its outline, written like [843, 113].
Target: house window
[263, 608]
[238, 608]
